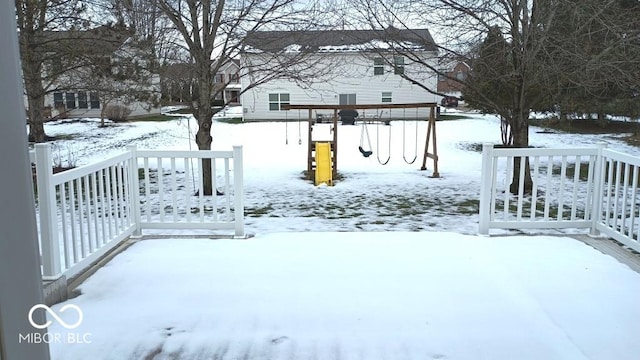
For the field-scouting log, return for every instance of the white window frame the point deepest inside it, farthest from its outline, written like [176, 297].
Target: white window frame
[276, 100]
[387, 97]
[347, 99]
[398, 65]
[378, 66]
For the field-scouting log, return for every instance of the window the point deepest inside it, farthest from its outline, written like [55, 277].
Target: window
[461, 76]
[277, 100]
[386, 97]
[218, 79]
[233, 78]
[82, 100]
[398, 65]
[95, 101]
[442, 76]
[58, 100]
[378, 66]
[347, 99]
[70, 99]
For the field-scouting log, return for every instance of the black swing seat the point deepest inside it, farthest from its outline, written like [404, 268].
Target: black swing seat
[364, 152]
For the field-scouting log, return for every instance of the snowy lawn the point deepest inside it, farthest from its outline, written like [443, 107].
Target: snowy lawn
[427, 295]
[301, 290]
[371, 197]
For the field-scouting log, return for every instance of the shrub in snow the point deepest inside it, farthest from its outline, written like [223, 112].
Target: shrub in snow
[117, 112]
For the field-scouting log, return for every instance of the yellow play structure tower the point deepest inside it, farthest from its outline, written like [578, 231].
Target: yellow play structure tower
[324, 166]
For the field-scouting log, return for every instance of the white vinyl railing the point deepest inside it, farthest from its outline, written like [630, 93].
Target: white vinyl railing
[591, 188]
[86, 211]
[170, 196]
[618, 202]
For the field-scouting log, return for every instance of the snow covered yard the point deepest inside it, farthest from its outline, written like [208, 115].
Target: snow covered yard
[366, 295]
[376, 267]
[371, 197]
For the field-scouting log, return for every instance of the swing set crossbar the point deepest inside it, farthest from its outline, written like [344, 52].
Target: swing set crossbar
[359, 106]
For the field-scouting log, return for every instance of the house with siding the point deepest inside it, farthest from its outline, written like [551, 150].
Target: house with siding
[97, 82]
[353, 67]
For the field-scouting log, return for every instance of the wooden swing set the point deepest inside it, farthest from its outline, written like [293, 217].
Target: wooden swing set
[311, 146]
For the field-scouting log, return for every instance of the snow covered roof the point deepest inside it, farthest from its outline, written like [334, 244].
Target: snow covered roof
[340, 40]
[96, 41]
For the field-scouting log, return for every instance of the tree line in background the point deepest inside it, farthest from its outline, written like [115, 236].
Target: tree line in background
[569, 56]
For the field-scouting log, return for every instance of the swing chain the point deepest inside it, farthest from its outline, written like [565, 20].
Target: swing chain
[378, 142]
[404, 147]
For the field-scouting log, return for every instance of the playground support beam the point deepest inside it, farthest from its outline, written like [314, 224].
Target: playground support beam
[360, 106]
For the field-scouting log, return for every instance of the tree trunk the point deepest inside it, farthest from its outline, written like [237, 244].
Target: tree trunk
[602, 120]
[520, 130]
[562, 117]
[203, 116]
[36, 120]
[35, 113]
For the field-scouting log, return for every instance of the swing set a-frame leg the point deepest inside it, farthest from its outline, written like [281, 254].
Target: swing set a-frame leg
[431, 129]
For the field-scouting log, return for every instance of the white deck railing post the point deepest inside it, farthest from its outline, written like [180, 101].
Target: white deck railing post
[238, 196]
[134, 190]
[485, 188]
[598, 188]
[51, 266]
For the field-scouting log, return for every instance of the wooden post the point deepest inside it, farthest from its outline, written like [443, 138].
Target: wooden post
[431, 128]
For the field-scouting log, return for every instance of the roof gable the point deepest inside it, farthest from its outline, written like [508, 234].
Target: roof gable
[340, 40]
[100, 40]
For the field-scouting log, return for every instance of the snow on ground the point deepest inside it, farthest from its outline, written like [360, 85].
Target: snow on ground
[358, 295]
[312, 285]
[372, 197]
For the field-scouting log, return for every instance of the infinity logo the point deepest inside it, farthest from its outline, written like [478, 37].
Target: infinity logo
[55, 316]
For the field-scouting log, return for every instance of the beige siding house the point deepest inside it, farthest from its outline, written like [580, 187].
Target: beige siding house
[80, 93]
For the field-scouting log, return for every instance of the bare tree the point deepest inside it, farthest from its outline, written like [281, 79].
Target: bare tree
[518, 82]
[124, 79]
[214, 33]
[152, 31]
[42, 51]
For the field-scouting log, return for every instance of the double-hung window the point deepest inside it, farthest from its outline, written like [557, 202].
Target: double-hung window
[386, 97]
[277, 100]
[398, 65]
[58, 100]
[378, 66]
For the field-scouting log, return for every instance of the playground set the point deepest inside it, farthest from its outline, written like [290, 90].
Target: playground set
[322, 155]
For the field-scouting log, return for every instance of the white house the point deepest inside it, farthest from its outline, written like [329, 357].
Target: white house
[337, 67]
